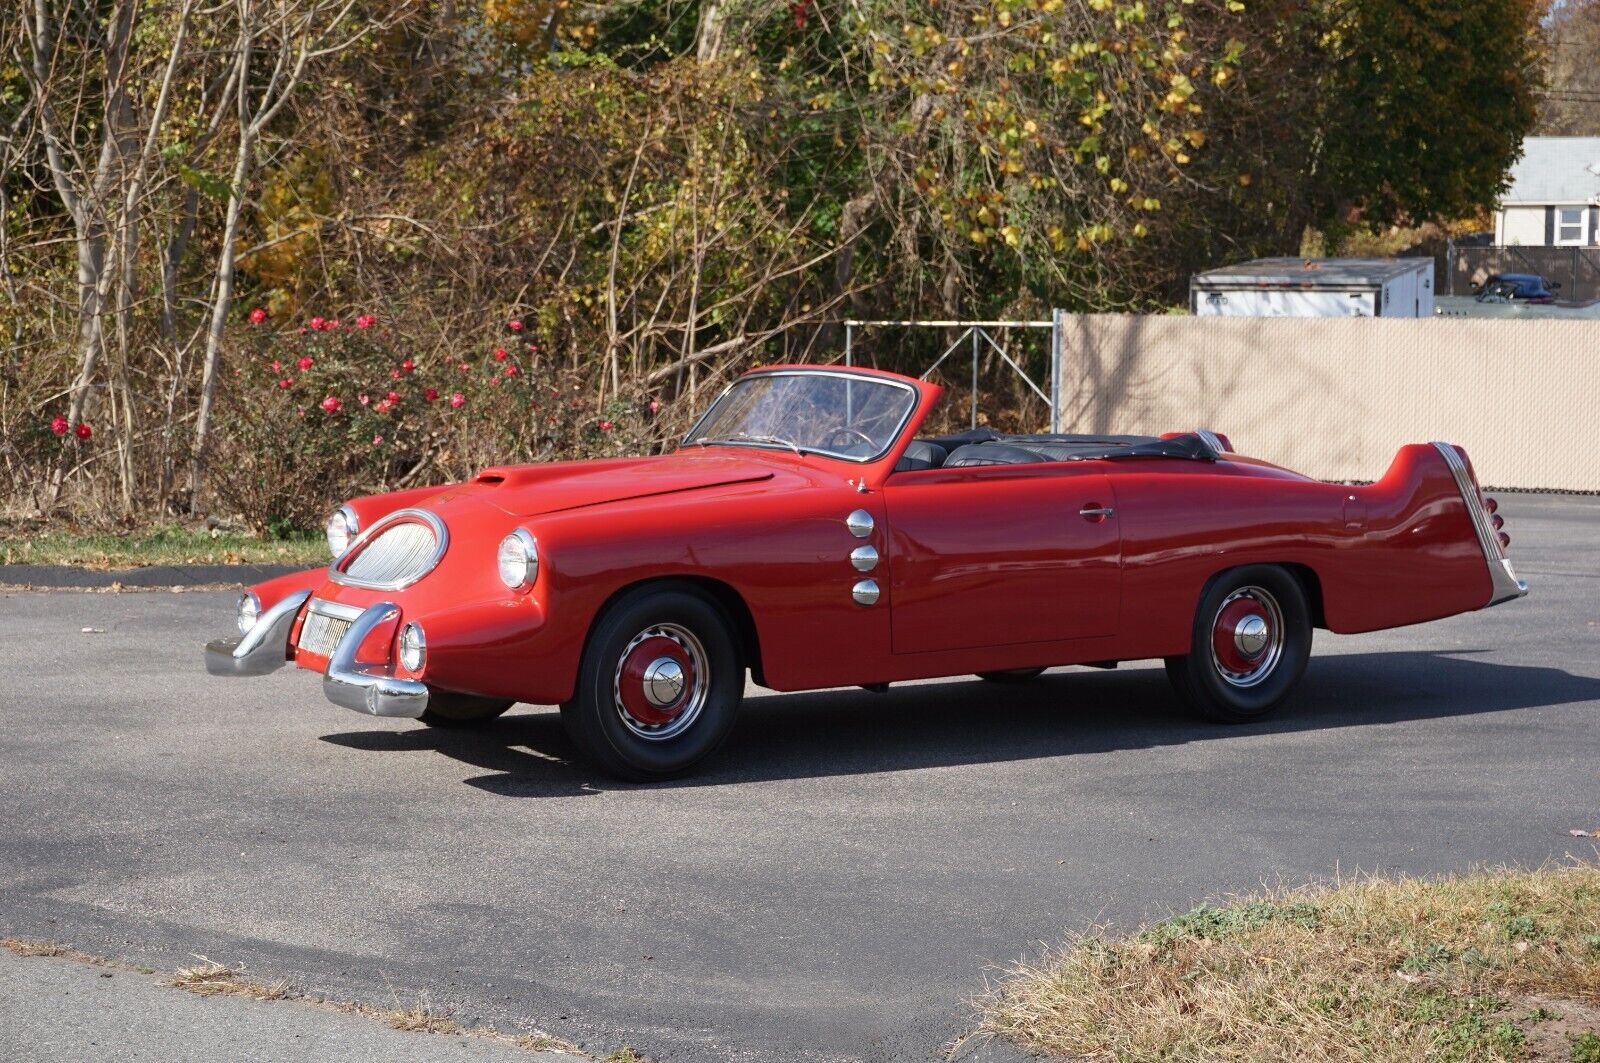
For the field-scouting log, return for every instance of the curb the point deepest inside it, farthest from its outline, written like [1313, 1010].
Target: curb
[71, 576]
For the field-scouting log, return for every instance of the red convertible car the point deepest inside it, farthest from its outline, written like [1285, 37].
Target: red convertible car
[804, 533]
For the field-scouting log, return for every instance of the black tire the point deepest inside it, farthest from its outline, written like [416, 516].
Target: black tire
[1226, 678]
[614, 717]
[1011, 675]
[446, 708]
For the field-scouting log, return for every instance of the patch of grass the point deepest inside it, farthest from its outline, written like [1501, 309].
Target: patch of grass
[29, 947]
[422, 1018]
[1584, 1048]
[215, 979]
[1475, 967]
[167, 545]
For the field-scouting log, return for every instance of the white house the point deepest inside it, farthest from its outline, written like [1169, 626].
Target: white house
[1554, 198]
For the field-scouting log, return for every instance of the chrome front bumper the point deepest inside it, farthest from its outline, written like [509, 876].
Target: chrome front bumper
[346, 681]
[265, 649]
[370, 688]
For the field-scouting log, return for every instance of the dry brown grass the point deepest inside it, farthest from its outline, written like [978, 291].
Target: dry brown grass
[215, 979]
[1489, 966]
[28, 947]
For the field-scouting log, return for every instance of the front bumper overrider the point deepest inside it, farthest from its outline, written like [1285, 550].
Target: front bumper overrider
[368, 688]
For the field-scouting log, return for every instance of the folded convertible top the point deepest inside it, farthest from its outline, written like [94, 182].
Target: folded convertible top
[984, 446]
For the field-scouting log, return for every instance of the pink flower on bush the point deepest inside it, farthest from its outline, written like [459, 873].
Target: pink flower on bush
[275, 366]
[363, 398]
[365, 321]
[317, 324]
[431, 394]
[494, 382]
[394, 373]
[512, 370]
[514, 325]
[286, 383]
[304, 363]
[458, 400]
[331, 404]
[257, 316]
[408, 365]
[59, 425]
[377, 441]
[654, 406]
[605, 426]
[83, 432]
[384, 406]
[500, 354]
[392, 397]
[333, 326]
[463, 367]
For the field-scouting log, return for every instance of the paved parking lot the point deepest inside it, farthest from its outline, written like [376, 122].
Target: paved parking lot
[837, 884]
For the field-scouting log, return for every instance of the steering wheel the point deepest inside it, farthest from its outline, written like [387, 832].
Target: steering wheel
[848, 433]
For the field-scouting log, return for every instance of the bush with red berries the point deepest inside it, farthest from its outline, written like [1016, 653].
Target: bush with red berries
[334, 408]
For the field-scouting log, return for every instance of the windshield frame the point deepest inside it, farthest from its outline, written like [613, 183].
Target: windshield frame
[847, 374]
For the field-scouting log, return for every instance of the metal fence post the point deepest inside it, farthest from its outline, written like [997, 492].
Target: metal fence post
[974, 330]
[1057, 343]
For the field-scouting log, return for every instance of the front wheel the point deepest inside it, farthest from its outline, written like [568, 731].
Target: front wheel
[658, 686]
[1249, 645]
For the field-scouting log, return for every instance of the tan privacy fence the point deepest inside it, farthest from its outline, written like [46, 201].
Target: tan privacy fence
[1335, 397]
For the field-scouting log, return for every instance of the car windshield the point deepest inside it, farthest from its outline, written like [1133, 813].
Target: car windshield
[842, 415]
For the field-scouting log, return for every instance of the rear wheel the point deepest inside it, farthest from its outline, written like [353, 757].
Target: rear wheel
[1249, 645]
[449, 709]
[658, 687]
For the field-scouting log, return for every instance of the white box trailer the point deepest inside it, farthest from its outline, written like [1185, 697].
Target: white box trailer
[1316, 287]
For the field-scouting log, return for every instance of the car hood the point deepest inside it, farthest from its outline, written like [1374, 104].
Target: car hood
[529, 490]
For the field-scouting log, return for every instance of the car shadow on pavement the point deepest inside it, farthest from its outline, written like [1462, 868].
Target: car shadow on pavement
[965, 721]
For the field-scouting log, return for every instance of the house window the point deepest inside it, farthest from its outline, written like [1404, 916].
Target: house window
[1569, 226]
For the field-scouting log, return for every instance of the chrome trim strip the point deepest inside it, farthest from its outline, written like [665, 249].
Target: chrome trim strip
[337, 610]
[1503, 582]
[265, 648]
[371, 689]
[870, 378]
[441, 540]
[1209, 438]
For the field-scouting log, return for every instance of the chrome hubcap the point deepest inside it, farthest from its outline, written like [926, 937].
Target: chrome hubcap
[1250, 635]
[663, 681]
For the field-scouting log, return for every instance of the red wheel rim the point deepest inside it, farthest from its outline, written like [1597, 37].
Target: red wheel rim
[1247, 636]
[660, 682]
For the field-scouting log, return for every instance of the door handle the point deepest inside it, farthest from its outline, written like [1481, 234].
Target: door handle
[1096, 514]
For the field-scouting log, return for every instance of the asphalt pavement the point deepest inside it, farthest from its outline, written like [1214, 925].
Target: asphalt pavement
[839, 883]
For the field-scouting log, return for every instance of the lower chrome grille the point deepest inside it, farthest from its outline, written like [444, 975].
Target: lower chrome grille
[325, 624]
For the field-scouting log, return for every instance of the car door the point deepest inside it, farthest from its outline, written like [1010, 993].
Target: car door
[1002, 555]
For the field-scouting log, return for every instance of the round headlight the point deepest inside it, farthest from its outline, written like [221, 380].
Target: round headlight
[413, 647]
[518, 559]
[342, 527]
[249, 612]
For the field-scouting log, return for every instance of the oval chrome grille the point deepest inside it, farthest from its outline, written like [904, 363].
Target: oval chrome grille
[402, 552]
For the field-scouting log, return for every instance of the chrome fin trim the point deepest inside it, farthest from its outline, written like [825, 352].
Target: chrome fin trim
[265, 648]
[1503, 582]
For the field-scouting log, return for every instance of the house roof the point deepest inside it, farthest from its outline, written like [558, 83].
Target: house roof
[1556, 170]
